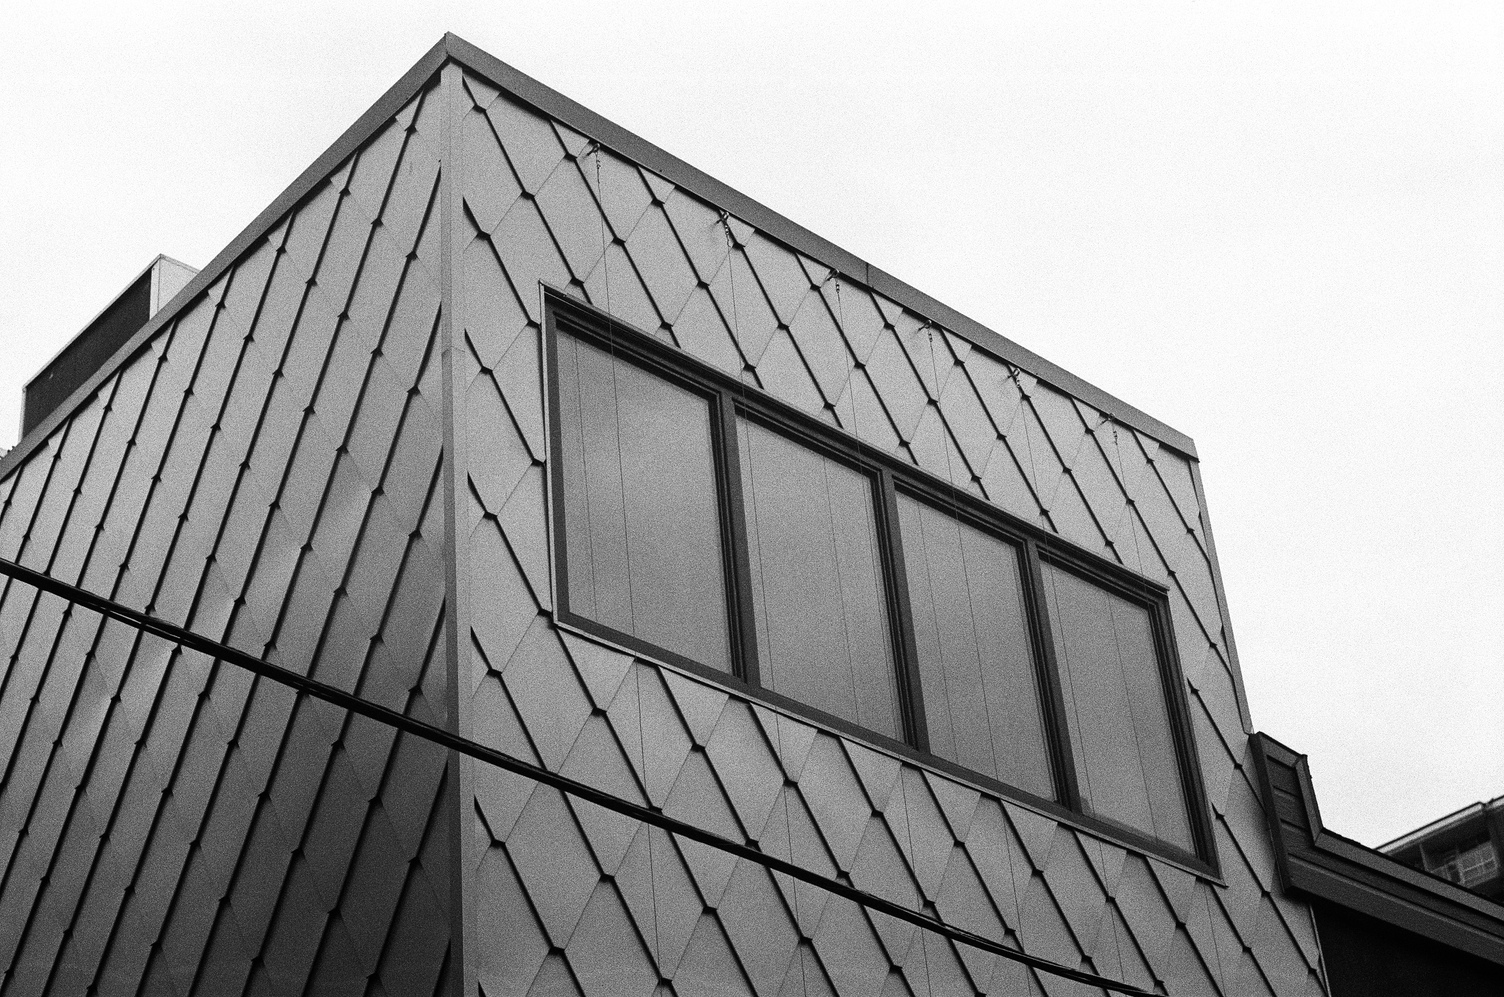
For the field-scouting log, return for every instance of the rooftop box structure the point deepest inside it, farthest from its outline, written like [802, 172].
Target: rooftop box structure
[102, 338]
[510, 422]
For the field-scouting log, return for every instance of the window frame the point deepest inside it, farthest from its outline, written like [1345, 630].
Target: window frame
[730, 399]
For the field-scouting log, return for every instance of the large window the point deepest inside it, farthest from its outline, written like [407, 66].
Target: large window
[700, 522]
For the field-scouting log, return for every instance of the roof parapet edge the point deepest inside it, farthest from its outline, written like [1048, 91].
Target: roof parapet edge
[388, 104]
[550, 101]
[1338, 869]
[796, 236]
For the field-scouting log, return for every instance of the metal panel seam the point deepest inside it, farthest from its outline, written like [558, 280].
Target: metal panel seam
[456, 564]
[648, 815]
[1221, 592]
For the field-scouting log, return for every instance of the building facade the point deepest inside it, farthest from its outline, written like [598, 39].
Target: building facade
[1385, 927]
[1462, 847]
[503, 418]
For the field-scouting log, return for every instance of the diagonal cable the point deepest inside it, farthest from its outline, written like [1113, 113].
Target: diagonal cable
[479, 752]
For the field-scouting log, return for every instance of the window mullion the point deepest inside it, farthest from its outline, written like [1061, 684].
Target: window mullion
[734, 533]
[1182, 730]
[1048, 667]
[901, 614]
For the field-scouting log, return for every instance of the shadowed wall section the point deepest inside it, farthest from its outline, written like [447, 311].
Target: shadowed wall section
[263, 472]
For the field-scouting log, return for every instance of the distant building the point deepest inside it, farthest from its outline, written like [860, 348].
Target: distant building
[1386, 928]
[1463, 847]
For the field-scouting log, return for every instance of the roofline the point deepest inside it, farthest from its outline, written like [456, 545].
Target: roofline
[364, 127]
[1317, 863]
[796, 236]
[639, 150]
[1441, 824]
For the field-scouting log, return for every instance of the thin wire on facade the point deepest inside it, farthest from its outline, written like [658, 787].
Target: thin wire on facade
[448, 739]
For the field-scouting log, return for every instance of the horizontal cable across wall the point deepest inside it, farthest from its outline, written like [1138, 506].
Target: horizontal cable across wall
[448, 739]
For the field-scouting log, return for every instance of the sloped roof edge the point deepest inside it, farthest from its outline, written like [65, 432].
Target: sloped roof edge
[670, 167]
[1317, 862]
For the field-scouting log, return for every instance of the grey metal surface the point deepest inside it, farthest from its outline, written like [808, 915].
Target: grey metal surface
[261, 472]
[268, 466]
[912, 387]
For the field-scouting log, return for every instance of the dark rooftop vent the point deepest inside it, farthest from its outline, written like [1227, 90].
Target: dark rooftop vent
[88, 351]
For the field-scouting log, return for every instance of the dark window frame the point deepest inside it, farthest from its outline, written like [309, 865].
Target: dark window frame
[730, 399]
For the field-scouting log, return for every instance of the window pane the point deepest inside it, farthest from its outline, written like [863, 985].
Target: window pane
[817, 592]
[1115, 709]
[976, 663]
[642, 534]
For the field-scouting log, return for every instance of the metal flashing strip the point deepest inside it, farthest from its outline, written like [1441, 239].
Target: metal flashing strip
[1319, 863]
[796, 236]
[555, 104]
[453, 741]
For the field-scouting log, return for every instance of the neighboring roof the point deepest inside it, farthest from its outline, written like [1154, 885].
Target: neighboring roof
[1318, 863]
[1441, 824]
[453, 48]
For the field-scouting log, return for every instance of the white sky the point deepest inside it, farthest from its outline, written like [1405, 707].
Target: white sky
[1278, 227]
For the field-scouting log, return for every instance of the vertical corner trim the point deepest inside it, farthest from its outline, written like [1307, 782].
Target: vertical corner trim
[450, 92]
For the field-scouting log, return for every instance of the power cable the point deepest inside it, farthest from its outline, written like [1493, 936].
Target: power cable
[590, 794]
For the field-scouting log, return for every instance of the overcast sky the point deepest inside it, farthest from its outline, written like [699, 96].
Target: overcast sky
[1277, 227]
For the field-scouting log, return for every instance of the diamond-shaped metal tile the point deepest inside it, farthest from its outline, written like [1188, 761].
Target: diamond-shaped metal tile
[514, 942]
[963, 902]
[932, 968]
[836, 801]
[746, 308]
[548, 696]
[702, 332]
[596, 759]
[791, 834]
[849, 950]
[709, 966]
[697, 799]
[785, 375]
[615, 287]
[920, 830]
[643, 705]
[569, 210]
[553, 862]
[531, 146]
[760, 927]
[879, 868]
[860, 411]
[661, 896]
[605, 951]
[745, 764]
[600, 668]
[700, 704]
[665, 269]
[1076, 890]
[1041, 927]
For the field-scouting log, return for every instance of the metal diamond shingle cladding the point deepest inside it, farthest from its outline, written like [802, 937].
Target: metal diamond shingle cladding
[333, 456]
